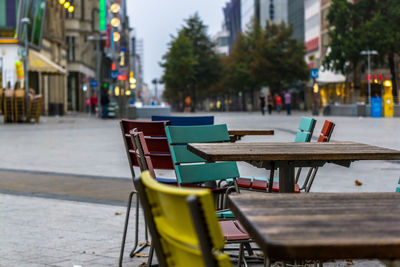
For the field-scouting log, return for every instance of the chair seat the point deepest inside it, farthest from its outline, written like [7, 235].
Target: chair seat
[275, 188]
[231, 231]
[225, 214]
[170, 181]
[244, 182]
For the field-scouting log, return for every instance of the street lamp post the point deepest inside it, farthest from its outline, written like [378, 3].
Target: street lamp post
[369, 53]
[25, 21]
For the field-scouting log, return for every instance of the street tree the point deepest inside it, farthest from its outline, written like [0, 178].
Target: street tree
[349, 34]
[278, 58]
[207, 70]
[179, 70]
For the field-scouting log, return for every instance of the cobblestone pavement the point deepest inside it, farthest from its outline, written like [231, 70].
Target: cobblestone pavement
[56, 232]
[51, 232]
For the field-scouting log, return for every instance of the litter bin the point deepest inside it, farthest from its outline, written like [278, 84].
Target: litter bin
[376, 107]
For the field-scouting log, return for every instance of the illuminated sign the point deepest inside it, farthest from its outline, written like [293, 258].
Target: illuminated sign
[102, 15]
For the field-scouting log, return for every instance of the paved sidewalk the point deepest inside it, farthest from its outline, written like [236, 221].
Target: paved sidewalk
[51, 232]
[83, 159]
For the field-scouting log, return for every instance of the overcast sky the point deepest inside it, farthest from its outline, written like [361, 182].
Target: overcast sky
[155, 20]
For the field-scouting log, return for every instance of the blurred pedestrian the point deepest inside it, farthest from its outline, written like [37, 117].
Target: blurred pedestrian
[270, 103]
[104, 101]
[288, 102]
[262, 103]
[87, 101]
[188, 102]
[278, 102]
[93, 103]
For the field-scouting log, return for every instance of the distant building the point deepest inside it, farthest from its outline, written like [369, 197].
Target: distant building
[81, 53]
[221, 40]
[289, 11]
[312, 32]
[232, 16]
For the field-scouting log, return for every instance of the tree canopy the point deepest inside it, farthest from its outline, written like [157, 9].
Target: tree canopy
[193, 71]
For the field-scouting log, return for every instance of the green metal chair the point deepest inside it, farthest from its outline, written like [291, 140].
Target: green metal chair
[190, 168]
[398, 188]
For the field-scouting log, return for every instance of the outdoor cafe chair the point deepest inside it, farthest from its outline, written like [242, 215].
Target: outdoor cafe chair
[190, 168]
[183, 234]
[304, 134]
[156, 140]
[325, 136]
[139, 150]
[185, 120]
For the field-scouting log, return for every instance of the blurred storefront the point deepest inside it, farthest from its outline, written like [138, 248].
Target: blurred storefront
[46, 38]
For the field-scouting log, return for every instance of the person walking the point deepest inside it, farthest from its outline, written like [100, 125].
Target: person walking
[93, 103]
[288, 102]
[104, 101]
[278, 102]
[270, 103]
[262, 103]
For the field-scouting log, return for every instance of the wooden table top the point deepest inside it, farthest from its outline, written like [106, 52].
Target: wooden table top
[251, 132]
[321, 226]
[275, 151]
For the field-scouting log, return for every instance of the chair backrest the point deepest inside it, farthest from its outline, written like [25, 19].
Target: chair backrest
[185, 120]
[156, 140]
[189, 167]
[326, 131]
[398, 188]
[140, 150]
[172, 228]
[306, 129]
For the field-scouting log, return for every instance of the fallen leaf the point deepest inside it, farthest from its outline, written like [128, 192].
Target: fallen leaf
[118, 213]
[143, 264]
[84, 252]
[141, 255]
[358, 183]
[349, 262]
[93, 252]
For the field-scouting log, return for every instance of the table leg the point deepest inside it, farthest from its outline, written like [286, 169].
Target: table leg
[286, 178]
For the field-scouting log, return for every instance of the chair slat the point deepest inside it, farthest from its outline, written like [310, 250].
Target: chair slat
[307, 124]
[149, 128]
[197, 173]
[197, 134]
[302, 137]
[180, 154]
[185, 120]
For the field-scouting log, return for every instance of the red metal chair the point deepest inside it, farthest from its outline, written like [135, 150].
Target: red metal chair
[156, 140]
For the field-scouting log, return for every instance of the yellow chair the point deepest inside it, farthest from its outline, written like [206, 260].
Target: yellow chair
[178, 239]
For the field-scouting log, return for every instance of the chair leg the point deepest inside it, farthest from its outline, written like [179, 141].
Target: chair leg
[241, 255]
[151, 254]
[137, 249]
[312, 180]
[267, 262]
[128, 209]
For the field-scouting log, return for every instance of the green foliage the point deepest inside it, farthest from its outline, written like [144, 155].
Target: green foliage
[179, 65]
[278, 58]
[363, 25]
[200, 68]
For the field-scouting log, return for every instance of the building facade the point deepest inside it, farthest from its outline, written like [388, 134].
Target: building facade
[46, 53]
[232, 17]
[81, 52]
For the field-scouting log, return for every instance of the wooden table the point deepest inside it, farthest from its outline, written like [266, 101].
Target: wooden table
[287, 156]
[321, 226]
[238, 134]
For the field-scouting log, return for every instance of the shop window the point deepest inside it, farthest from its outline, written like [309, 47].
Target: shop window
[8, 18]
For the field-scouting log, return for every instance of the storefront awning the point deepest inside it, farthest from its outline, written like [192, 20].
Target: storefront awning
[40, 63]
[327, 76]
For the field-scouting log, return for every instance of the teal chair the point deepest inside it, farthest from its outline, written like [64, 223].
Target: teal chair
[304, 134]
[191, 169]
[398, 188]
